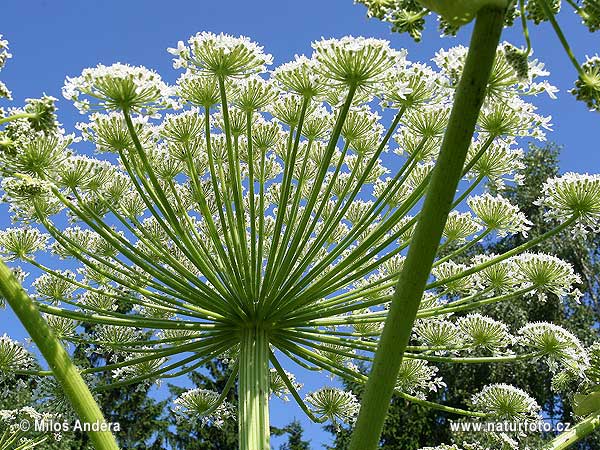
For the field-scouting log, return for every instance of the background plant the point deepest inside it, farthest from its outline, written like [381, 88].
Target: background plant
[412, 426]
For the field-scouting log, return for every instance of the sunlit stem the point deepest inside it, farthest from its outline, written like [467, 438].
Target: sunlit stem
[575, 433]
[18, 116]
[236, 185]
[253, 390]
[65, 372]
[561, 36]
[428, 232]
[524, 25]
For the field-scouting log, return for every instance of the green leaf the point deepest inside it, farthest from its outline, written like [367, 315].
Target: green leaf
[586, 404]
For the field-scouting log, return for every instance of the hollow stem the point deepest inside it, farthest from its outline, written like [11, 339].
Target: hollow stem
[253, 390]
[428, 232]
[575, 433]
[57, 357]
[18, 116]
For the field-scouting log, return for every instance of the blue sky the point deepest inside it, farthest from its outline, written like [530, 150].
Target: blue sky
[54, 39]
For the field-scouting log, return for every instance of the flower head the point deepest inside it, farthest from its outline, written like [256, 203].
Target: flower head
[301, 77]
[55, 287]
[417, 377]
[204, 405]
[13, 356]
[496, 213]
[221, 55]
[546, 273]
[573, 194]
[118, 87]
[334, 404]
[279, 387]
[556, 343]
[349, 61]
[18, 243]
[483, 331]
[438, 333]
[506, 402]
[459, 227]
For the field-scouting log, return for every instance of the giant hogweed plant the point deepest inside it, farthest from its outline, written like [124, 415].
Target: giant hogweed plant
[248, 216]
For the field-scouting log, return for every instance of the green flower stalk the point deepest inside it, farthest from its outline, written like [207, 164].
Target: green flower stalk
[58, 359]
[469, 98]
[249, 216]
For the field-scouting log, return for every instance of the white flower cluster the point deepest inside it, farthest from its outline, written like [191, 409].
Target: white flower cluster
[203, 405]
[118, 87]
[221, 55]
[507, 402]
[14, 428]
[355, 62]
[267, 197]
[19, 243]
[561, 347]
[4, 55]
[13, 357]
[334, 404]
[279, 387]
[496, 213]
[417, 377]
[573, 195]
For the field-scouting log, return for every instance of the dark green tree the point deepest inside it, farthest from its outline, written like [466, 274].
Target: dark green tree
[295, 433]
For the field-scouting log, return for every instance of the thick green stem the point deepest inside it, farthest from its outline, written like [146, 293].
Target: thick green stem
[575, 433]
[253, 389]
[58, 359]
[428, 232]
[18, 116]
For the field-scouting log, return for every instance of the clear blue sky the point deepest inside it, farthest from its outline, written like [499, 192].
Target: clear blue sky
[53, 39]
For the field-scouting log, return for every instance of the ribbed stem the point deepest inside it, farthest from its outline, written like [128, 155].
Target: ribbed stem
[58, 359]
[253, 390]
[575, 433]
[428, 232]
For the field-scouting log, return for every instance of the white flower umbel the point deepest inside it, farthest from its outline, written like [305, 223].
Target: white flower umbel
[204, 406]
[13, 357]
[19, 431]
[573, 195]
[483, 331]
[279, 387]
[547, 273]
[334, 404]
[300, 76]
[350, 61]
[19, 243]
[506, 402]
[560, 346]
[417, 377]
[118, 87]
[221, 55]
[587, 86]
[496, 213]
